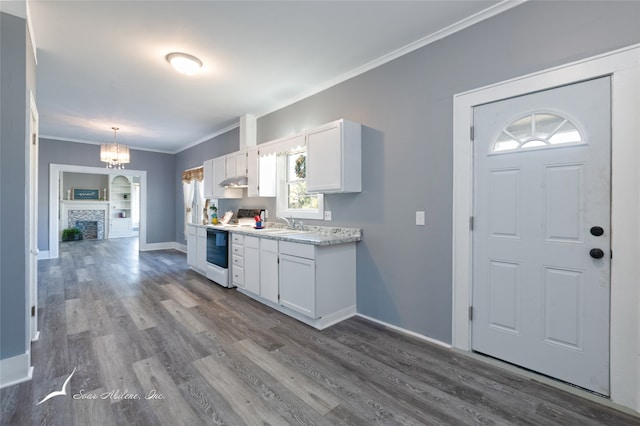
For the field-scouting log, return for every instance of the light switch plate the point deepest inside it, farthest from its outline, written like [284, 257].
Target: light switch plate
[327, 215]
[420, 218]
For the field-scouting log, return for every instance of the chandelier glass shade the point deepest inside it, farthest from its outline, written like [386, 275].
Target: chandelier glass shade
[114, 154]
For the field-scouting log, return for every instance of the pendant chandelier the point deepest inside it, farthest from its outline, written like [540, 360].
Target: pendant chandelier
[114, 154]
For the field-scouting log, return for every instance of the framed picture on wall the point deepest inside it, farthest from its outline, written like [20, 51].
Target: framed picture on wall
[85, 194]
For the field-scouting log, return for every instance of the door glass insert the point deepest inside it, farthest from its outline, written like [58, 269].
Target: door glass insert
[537, 130]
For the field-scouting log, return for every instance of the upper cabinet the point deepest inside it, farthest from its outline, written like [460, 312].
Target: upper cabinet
[214, 173]
[207, 175]
[236, 164]
[334, 158]
[333, 163]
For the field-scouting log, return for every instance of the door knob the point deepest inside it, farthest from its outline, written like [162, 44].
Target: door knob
[596, 253]
[596, 231]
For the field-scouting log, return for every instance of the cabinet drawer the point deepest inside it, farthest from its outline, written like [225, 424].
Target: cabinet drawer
[238, 275]
[237, 238]
[237, 260]
[297, 249]
[237, 249]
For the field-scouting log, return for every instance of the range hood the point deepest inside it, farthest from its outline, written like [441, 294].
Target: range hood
[235, 182]
[248, 137]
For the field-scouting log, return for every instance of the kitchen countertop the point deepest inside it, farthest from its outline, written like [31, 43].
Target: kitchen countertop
[315, 235]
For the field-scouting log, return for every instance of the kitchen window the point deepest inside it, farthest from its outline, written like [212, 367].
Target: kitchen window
[293, 199]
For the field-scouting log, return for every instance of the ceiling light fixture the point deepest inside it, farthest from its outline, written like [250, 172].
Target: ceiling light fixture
[114, 154]
[184, 63]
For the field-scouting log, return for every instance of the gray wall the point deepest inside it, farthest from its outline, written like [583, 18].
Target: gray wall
[83, 180]
[161, 194]
[404, 271]
[17, 71]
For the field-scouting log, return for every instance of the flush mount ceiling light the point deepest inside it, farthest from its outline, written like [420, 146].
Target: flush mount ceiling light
[114, 154]
[184, 63]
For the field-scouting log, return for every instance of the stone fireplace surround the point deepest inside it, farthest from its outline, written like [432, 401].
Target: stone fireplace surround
[91, 211]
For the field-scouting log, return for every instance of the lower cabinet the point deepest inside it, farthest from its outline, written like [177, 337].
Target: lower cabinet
[191, 247]
[314, 284]
[197, 248]
[298, 284]
[237, 260]
[252, 264]
[201, 251]
[120, 227]
[269, 269]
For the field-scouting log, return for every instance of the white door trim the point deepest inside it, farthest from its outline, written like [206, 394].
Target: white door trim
[624, 67]
[54, 200]
[34, 144]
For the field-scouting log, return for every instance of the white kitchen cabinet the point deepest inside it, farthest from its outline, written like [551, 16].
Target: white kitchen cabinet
[219, 174]
[237, 260]
[269, 276]
[201, 249]
[191, 247]
[334, 157]
[261, 173]
[314, 284]
[318, 282]
[207, 176]
[252, 281]
[236, 164]
[297, 284]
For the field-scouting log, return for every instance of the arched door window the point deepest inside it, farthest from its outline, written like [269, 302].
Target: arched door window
[537, 130]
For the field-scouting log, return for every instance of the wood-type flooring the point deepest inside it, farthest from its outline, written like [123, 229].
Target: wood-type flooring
[150, 342]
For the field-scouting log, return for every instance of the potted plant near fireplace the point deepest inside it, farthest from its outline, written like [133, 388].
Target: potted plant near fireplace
[71, 234]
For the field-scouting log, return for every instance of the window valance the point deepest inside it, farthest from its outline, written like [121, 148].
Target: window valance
[197, 173]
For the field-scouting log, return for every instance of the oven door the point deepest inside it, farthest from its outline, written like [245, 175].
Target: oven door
[218, 247]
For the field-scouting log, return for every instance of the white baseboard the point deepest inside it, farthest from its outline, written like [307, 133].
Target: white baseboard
[407, 332]
[15, 370]
[334, 318]
[180, 247]
[160, 246]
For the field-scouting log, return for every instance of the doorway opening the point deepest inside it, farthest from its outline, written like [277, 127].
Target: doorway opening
[117, 197]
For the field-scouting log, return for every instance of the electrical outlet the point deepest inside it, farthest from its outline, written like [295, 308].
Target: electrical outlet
[327, 215]
[420, 218]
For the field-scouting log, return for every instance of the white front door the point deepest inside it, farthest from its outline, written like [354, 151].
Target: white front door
[541, 239]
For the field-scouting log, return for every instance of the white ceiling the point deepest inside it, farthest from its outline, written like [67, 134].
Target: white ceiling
[102, 63]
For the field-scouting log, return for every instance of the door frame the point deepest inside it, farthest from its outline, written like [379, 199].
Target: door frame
[54, 200]
[32, 273]
[623, 66]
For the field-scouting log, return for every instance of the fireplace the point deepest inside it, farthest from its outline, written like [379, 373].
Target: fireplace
[88, 228]
[88, 216]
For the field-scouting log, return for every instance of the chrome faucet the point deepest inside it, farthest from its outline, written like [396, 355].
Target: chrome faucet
[291, 222]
